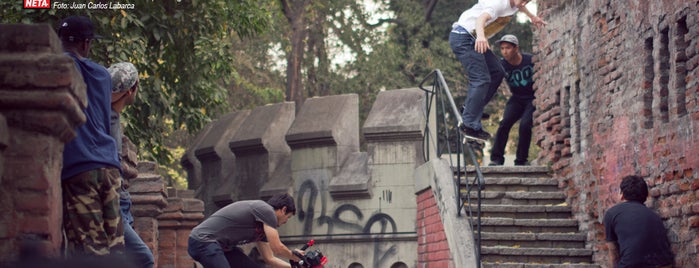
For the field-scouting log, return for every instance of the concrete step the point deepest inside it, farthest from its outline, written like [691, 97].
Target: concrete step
[510, 225]
[533, 240]
[516, 198]
[535, 255]
[525, 220]
[505, 171]
[517, 182]
[538, 265]
[522, 211]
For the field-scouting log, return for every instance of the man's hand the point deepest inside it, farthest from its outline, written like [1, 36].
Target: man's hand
[297, 252]
[482, 44]
[538, 22]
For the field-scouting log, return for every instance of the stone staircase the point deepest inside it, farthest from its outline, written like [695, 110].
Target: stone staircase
[525, 221]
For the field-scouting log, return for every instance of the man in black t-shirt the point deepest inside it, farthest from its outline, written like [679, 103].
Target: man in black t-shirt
[636, 236]
[519, 71]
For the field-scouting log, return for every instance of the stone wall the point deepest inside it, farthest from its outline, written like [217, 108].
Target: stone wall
[41, 95]
[359, 206]
[617, 94]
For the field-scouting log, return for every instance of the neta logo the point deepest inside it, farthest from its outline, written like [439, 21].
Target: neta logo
[37, 3]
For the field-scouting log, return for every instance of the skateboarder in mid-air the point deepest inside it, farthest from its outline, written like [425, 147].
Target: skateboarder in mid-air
[469, 42]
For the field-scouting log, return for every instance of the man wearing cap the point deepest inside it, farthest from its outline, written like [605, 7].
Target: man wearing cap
[520, 78]
[124, 85]
[469, 42]
[89, 177]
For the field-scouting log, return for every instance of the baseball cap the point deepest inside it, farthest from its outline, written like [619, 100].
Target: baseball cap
[124, 76]
[508, 38]
[76, 28]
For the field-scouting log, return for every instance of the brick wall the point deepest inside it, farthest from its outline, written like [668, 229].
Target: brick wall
[617, 94]
[433, 248]
[41, 94]
[181, 215]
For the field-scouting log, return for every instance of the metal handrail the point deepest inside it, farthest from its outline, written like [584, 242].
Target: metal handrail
[440, 90]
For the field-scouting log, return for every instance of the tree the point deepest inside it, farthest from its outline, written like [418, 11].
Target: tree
[181, 49]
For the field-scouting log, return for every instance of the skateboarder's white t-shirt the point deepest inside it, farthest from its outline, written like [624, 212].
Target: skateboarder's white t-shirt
[500, 13]
[236, 224]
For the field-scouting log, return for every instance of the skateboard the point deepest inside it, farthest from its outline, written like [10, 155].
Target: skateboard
[476, 144]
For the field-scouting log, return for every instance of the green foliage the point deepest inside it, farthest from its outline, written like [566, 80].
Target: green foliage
[181, 49]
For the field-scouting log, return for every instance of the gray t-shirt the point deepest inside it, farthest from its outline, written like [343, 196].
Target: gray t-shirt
[236, 224]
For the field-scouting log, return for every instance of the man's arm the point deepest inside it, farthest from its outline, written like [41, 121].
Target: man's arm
[268, 256]
[538, 22]
[276, 245]
[481, 40]
[613, 254]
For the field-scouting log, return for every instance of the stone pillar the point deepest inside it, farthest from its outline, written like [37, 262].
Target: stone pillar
[149, 199]
[263, 159]
[41, 97]
[183, 213]
[324, 135]
[191, 164]
[218, 162]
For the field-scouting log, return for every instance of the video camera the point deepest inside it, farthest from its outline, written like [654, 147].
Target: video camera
[312, 259]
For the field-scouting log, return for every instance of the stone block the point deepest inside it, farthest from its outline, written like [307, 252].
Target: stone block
[147, 167]
[265, 130]
[143, 186]
[221, 132]
[338, 126]
[193, 205]
[354, 180]
[33, 38]
[396, 115]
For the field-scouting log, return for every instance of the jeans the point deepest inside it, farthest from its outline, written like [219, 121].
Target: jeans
[517, 108]
[211, 255]
[136, 249]
[485, 73]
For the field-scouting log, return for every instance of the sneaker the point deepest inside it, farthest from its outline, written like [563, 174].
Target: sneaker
[492, 164]
[526, 163]
[476, 133]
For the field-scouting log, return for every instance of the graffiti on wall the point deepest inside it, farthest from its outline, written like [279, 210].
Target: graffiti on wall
[346, 217]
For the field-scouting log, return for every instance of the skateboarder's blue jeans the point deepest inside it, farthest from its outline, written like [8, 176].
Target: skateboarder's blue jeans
[485, 73]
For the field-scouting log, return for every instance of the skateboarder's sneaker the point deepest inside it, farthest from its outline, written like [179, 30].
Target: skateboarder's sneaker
[474, 133]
